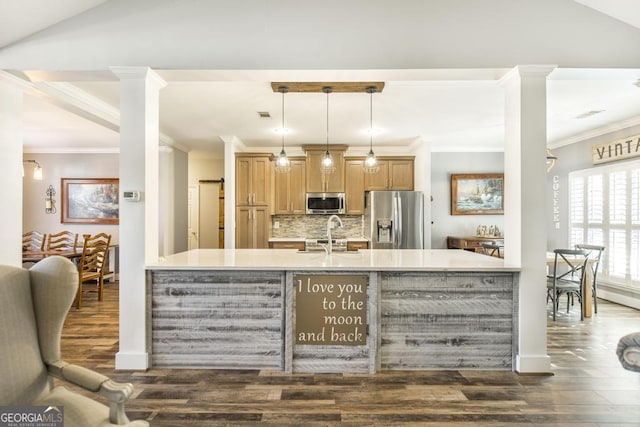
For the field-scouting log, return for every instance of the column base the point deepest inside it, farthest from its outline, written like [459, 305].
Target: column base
[533, 364]
[132, 361]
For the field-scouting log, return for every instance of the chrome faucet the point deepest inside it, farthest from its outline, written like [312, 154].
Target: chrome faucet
[329, 247]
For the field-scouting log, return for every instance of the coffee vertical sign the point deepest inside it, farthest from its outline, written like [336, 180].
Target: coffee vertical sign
[330, 309]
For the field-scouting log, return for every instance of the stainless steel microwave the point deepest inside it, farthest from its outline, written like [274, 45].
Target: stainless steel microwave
[325, 203]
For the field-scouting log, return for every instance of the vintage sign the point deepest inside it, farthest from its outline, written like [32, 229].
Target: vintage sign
[330, 309]
[625, 148]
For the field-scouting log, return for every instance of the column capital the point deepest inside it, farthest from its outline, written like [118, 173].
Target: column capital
[523, 71]
[138, 73]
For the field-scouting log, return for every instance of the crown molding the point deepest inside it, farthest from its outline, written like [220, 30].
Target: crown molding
[593, 133]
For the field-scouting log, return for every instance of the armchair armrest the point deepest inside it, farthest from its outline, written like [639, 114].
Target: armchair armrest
[117, 393]
[628, 351]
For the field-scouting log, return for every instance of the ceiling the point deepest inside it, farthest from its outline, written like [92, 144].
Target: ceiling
[200, 109]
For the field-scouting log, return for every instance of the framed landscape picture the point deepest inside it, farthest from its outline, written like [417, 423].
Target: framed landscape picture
[477, 194]
[90, 200]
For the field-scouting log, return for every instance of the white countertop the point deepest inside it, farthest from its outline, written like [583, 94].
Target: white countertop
[362, 260]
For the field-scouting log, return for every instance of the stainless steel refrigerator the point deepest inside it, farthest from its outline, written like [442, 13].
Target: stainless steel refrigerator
[394, 219]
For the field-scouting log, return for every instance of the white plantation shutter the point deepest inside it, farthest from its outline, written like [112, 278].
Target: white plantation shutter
[617, 253]
[617, 197]
[576, 236]
[604, 209]
[594, 199]
[635, 255]
[576, 200]
[635, 197]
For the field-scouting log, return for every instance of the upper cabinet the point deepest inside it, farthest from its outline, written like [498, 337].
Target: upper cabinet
[318, 182]
[289, 189]
[396, 173]
[354, 194]
[253, 173]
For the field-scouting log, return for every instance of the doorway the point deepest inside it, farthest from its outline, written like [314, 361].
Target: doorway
[211, 214]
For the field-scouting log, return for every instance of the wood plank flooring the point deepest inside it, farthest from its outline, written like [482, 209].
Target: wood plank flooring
[588, 388]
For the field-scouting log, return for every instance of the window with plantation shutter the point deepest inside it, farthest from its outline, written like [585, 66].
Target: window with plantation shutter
[604, 209]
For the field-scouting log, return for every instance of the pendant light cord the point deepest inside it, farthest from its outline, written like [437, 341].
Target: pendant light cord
[327, 91]
[283, 90]
[371, 90]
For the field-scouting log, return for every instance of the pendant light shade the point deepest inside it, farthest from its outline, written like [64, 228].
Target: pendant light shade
[371, 163]
[327, 166]
[282, 164]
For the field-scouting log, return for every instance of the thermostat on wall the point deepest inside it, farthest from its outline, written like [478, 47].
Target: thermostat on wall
[132, 196]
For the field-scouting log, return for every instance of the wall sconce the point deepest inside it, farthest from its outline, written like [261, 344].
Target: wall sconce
[49, 202]
[551, 160]
[37, 169]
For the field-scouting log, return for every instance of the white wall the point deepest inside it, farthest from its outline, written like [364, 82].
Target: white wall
[442, 166]
[204, 169]
[55, 167]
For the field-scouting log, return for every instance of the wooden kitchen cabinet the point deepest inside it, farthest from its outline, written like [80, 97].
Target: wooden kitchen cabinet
[290, 189]
[287, 245]
[318, 182]
[396, 173]
[252, 227]
[253, 174]
[354, 182]
[354, 246]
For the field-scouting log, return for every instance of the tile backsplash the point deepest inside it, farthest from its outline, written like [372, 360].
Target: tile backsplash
[315, 226]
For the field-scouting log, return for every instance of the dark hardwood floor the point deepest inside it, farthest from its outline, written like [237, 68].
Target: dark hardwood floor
[588, 388]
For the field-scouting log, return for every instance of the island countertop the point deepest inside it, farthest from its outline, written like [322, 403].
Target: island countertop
[362, 260]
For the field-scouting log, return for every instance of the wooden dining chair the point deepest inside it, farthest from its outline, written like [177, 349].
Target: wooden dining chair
[566, 277]
[492, 249]
[33, 241]
[595, 254]
[93, 263]
[63, 241]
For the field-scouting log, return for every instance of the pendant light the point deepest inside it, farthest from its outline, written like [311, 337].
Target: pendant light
[327, 166]
[371, 163]
[283, 165]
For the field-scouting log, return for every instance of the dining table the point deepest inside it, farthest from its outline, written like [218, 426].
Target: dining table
[35, 256]
[587, 283]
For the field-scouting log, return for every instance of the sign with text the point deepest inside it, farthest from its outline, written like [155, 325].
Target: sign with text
[625, 148]
[330, 309]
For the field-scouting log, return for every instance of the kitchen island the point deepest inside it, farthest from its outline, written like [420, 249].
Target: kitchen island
[419, 309]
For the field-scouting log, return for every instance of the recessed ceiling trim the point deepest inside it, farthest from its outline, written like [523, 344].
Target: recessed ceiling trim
[337, 87]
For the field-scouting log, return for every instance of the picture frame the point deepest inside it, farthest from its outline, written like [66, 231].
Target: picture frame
[90, 200]
[477, 194]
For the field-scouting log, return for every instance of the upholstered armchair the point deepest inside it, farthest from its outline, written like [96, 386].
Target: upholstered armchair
[33, 306]
[629, 351]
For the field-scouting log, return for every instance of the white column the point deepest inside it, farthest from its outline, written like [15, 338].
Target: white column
[11, 112]
[525, 207]
[230, 149]
[139, 223]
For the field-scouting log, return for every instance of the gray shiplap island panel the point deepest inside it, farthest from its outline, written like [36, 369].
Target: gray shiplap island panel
[426, 309]
[448, 320]
[222, 319]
